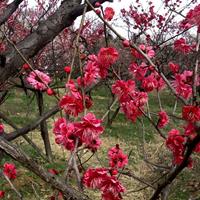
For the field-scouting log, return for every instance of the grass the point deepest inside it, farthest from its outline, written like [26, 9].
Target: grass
[22, 109]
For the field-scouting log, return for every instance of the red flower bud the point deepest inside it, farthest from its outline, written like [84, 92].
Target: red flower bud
[97, 4]
[98, 12]
[2, 193]
[26, 66]
[126, 43]
[114, 172]
[53, 171]
[50, 92]
[67, 69]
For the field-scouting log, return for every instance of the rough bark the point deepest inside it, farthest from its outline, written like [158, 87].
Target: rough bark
[56, 182]
[9, 10]
[47, 30]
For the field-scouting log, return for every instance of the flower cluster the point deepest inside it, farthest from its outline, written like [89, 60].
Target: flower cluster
[175, 142]
[100, 178]
[73, 102]
[181, 46]
[117, 159]
[146, 49]
[138, 71]
[190, 133]
[38, 80]
[106, 57]
[163, 119]
[89, 130]
[65, 134]
[131, 101]
[183, 84]
[191, 113]
[174, 67]
[192, 18]
[97, 66]
[9, 170]
[104, 179]
[141, 19]
[91, 73]
[150, 82]
[85, 132]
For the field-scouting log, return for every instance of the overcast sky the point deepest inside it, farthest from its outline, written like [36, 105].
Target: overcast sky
[117, 6]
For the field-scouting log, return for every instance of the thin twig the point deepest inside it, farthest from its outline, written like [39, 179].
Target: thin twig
[107, 112]
[129, 174]
[35, 192]
[77, 42]
[13, 187]
[159, 100]
[195, 70]
[138, 190]
[154, 125]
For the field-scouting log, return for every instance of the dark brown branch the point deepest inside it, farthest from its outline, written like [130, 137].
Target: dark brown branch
[9, 10]
[12, 186]
[35, 147]
[32, 126]
[3, 96]
[129, 174]
[146, 186]
[178, 169]
[45, 33]
[57, 183]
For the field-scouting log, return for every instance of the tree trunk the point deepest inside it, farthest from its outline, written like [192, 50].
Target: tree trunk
[43, 126]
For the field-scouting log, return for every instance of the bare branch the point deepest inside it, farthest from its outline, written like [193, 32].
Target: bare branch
[57, 183]
[13, 187]
[32, 126]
